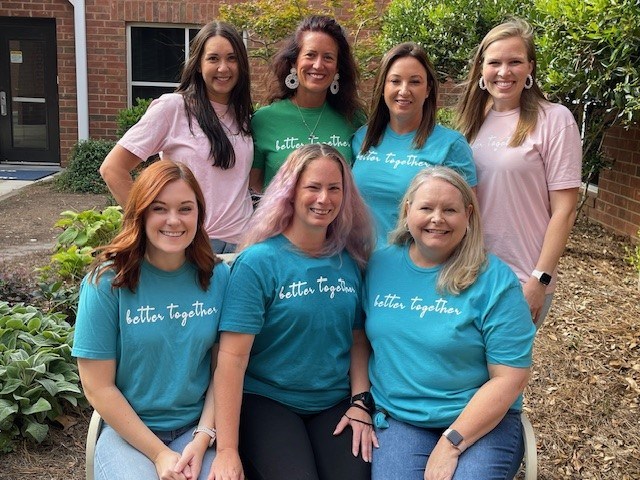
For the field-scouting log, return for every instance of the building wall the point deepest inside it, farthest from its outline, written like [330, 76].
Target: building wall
[617, 204]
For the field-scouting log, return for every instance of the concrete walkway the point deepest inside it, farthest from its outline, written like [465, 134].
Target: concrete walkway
[11, 187]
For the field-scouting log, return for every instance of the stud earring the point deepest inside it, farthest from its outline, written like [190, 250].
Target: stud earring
[335, 86]
[481, 84]
[528, 83]
[291, 80]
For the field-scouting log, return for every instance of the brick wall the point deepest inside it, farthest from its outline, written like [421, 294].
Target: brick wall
[62, 11]
[617, 204]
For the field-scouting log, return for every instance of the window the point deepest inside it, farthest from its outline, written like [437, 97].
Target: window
[155, 59]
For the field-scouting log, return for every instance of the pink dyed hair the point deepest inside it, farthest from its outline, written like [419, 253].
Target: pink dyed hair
[351, 230]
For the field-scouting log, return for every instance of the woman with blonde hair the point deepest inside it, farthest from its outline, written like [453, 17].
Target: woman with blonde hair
[292, 368]
[146, 348]
[528, 156]
[451, 341]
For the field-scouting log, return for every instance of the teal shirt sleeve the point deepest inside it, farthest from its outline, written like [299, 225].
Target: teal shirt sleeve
[460, 158]
[97, 323]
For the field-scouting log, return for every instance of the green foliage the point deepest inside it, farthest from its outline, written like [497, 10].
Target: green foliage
[74, 253]
[633, 257]
[128, 117]
[448, 30]
[38, 377]
[446, 116]
[267, 22]
[81, 174]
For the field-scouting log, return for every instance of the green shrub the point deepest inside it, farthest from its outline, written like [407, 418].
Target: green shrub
[81, 174]
[128, 117]
[38, 376]
[73, 254]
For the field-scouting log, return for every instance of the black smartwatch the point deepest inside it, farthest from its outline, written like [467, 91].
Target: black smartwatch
[543, 278]
[453, 436]
[367, 399]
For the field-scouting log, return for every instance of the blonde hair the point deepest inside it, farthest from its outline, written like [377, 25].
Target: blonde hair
[475, 102]
[464, 264]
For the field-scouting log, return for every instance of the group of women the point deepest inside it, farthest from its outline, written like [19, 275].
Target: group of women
[363, 331]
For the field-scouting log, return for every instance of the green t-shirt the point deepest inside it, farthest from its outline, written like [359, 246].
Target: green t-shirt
[278, 129]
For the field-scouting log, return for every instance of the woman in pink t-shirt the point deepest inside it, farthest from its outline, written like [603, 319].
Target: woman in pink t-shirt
[528, 158]
[205, 125]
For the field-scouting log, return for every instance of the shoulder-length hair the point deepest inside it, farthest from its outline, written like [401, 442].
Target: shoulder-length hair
[347, 101]
[475, 102]
[379, 118]
[126, 252]
[196, 101]
[462, 268]
[351, 230]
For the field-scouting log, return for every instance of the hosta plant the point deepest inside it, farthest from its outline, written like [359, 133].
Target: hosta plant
[38, 377]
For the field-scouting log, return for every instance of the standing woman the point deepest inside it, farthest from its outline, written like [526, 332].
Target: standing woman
[205, 125]
[313, 98]
[402, 137]
[528, 156]
[451, 342]
[292, 334]
[146, 348]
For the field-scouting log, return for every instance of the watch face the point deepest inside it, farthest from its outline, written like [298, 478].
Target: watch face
[545, 278]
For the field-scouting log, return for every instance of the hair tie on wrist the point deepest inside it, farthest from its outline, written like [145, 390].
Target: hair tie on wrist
[356, 420]
[361, 407]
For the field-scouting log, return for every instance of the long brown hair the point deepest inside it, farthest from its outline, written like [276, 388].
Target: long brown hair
[379, 117]
[475, 102]
[126, 252]
[196, 101]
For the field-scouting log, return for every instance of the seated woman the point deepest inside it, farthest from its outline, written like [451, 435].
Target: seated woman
[291, 332]
[451, 339]
[144, 347]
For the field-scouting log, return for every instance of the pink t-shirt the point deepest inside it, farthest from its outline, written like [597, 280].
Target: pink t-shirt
[164, 129]
[514, 182]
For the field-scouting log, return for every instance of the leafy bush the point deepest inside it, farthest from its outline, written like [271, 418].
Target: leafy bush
[128, 117]
[38, 377]
[82, 175]
[74, 252]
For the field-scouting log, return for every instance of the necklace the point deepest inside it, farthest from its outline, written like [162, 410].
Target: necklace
[311, 131]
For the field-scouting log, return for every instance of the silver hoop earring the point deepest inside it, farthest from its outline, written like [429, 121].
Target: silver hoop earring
[335, 86]
[291, 80]
[528, 83]
[481, 84]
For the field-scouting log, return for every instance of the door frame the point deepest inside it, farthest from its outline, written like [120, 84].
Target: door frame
[25, 28]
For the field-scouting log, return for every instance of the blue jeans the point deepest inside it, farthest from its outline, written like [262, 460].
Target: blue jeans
[220, 246]
[404, 452]
[115, 459]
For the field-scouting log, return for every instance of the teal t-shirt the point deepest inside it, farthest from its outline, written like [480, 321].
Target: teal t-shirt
[384, 173]
[302, 311]
[160, 336]
[430, 351]
[278, 129]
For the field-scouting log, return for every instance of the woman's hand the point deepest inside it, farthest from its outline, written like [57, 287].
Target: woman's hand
[534, 293]
[227, 466]
[364, 437]
[442, 462]
[190, 463]
[165, 463]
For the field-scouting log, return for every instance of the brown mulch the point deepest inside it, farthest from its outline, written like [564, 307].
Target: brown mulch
[582, 398]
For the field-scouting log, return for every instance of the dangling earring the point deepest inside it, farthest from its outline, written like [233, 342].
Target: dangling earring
[291, 80]
[528, 83]
[335, 86]
[481, 84]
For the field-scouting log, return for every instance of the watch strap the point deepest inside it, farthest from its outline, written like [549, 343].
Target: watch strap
[453, 436]
[209, 431]
[542, 277]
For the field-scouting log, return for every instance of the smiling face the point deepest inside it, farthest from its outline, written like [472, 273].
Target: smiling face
[219, 68]
[505, 67]
[405, 91]
[317, 63]
[171, 222]
[437, 220]
[318, 196]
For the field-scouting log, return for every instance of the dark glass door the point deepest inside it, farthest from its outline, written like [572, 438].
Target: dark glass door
[29, 124]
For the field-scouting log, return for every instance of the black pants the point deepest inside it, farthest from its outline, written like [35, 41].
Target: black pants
[278, 444]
